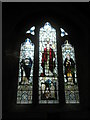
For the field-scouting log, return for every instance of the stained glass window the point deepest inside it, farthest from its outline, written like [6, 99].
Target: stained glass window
[31, 31]
[48, 75]
[25, 78]
[63, 33]
[70, 74]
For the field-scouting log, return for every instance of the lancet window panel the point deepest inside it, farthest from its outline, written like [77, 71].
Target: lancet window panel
[48, 73]
[70, 74]
[25, 77]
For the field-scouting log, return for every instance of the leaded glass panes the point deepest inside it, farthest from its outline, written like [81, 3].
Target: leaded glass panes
[70, 74]
[63, 33]
[48, 75]
[25, 78]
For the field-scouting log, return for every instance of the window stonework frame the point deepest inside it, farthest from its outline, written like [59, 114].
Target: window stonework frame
[48, 73]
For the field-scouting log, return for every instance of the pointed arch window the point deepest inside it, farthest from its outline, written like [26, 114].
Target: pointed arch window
[70, 74]
[25, 78]
[48, 73]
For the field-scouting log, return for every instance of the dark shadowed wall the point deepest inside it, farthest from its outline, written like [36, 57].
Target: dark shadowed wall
[17, 18]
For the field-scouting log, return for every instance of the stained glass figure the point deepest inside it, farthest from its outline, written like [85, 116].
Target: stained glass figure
[25, 79]
[70, 74]
[48, 75]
